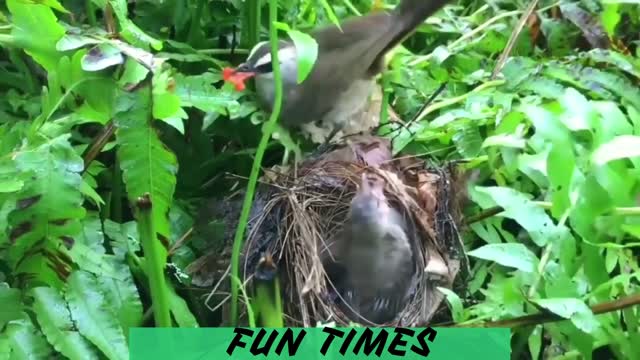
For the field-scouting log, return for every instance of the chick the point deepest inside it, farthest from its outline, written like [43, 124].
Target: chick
[376, 256]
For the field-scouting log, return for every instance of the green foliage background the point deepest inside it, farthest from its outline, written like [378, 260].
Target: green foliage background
[115, 127]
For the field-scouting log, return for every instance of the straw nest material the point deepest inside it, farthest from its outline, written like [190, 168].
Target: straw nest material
[299, 208]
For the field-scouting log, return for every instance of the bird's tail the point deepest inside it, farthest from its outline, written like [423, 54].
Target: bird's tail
[411, 13]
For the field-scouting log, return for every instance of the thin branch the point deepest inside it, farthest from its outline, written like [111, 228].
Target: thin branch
[512, 40]
[98, 144]
[541, 318]
[492, 211]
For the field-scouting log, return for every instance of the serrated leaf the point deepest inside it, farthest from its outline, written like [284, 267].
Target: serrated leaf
[50, 204]
[94, 316]
[620, 147]
[26, 341]
[124, 237]
[198, 92]
[148, 166]
[574, 309]
[55, 320]
[511, 255]
[122, 294]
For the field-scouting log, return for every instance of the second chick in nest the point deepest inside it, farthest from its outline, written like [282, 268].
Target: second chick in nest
[373, 255]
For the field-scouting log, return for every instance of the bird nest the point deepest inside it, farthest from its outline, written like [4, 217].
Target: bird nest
[297, 210]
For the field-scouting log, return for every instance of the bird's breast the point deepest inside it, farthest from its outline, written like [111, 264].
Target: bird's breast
[351, 101]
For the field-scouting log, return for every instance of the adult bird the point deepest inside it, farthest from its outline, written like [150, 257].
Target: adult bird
[343, 76]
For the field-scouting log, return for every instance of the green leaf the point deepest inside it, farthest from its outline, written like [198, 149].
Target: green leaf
[26, 341]
[455, 304]
[97, 88]
[535, 342]
[49, 207]
[133, 73]
[468, 139]
[578, 113]
[101, 57]
[54, 4]
[616, 122]
[180, 310]
[574, 309]
[505, 140]
[328, 10]
[610, 17]
[560, 167]
[73, 41]
[147, 164]
[55, 320]
[547, 125]
[11, 304]
[622, 61]
[94, 316]
[36, 29]
[10, 185]
[518, 207]
[510, 255]
[306, 53]
[166, 103]
[124, 237]
[122, 294]
[620, 147]
[130, 31]
[198, 92]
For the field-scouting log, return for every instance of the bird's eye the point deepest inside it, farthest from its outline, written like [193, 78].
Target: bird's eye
[264, 68]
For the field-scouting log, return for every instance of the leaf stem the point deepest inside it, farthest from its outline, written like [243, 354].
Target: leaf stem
[257, 162]
[155, 263]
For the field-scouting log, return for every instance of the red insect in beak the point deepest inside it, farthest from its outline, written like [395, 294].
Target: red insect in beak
[237, 76]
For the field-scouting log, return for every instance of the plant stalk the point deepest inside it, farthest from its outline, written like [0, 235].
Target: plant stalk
[257, 162]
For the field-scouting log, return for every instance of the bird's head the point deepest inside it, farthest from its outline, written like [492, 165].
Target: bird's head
[369, 205]
[260, 66]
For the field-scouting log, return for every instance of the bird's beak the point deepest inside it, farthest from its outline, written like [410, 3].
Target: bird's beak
[245, 68]
[238, 75]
